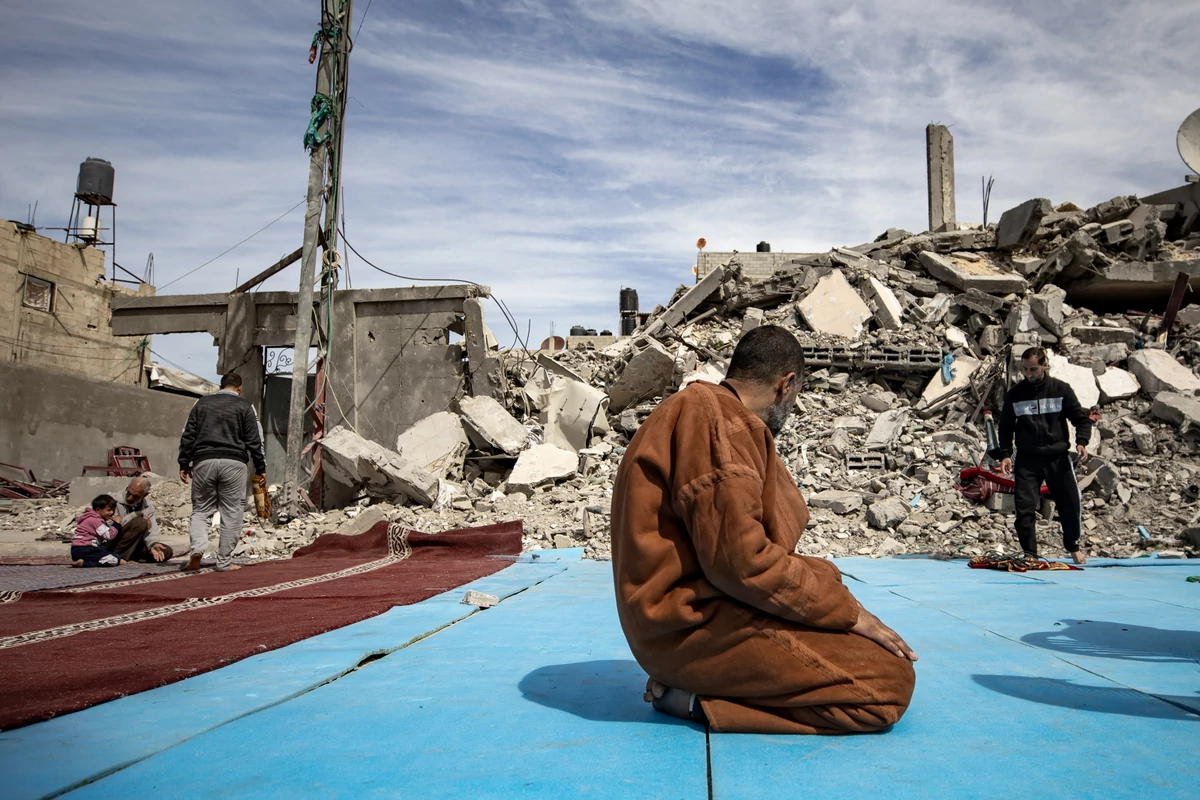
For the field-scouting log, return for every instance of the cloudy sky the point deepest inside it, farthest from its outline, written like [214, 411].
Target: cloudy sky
[557, 151]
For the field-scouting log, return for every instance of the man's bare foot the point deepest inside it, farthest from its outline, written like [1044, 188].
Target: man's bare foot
[193, 563]
[1079, 557]
[232, 567]
[675, 702]
[77, 563]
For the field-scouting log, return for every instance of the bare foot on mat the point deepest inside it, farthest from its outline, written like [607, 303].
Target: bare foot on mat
[1079, 557]
[232, 567]
[675, 702]
[77, 563]
[193, 563]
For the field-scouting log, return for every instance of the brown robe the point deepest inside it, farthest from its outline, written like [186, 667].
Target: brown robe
[711, 596]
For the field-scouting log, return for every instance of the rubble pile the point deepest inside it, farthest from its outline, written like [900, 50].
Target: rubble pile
[909, 340]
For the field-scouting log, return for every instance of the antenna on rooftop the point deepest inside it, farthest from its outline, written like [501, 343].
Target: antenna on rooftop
[1188, 142]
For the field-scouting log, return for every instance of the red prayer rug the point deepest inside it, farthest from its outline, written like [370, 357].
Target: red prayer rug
[62, 650]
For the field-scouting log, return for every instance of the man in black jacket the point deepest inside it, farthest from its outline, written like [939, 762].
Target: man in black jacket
[222, 431]
[1036, 410]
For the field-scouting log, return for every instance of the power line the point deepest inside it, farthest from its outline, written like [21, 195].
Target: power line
[363, 18]
[239, 244]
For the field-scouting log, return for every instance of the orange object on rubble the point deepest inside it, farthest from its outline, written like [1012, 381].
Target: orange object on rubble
[262, 500]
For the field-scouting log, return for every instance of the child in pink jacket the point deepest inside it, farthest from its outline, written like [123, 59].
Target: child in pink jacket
[93, 530]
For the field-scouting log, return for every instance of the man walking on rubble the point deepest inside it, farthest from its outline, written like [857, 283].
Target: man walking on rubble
[222, 430]
[138, 537]
[1036, 412]
[733, 627]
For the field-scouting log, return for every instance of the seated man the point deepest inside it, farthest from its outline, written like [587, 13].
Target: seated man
[138, 538]
[733, 628]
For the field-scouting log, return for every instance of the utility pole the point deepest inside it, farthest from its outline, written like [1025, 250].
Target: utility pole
[324, 140]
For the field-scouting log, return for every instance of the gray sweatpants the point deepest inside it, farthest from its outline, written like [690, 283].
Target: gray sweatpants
[218, 484]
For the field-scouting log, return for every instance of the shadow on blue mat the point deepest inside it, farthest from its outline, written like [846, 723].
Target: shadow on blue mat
[1101, 699]
[600, 691]
[1119, 640]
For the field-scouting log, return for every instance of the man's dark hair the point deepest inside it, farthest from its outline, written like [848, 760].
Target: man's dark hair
[103, 501]
[766, 354]
[1035, 352]
[231, 380]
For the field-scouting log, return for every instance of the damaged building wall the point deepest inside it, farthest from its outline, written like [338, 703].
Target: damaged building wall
[55, 424]
[54, 308]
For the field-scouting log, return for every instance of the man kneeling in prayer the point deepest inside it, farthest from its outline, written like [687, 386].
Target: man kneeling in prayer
[732, 626]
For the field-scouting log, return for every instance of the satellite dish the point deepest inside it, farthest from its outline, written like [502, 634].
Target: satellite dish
[1188, 141]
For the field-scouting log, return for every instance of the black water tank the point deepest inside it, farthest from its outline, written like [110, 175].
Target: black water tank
[95, 180]
[591, 332]
[629, 300]
[578, 330]
[606, 333]
[628, 325]
[764, 247]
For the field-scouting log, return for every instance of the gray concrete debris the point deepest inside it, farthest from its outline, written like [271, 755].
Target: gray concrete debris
[1159, 371]
[479, 599]
[1103, 334]
[887, 428]
[887, 513]
[880, 402]
[1117, 384]
[979, 275]
[436, 444]
[490, 426]
[1182, 411]
[890, 547]
[1018, 225]
[838, 502]
[1001, 503]
[1143, 438]
[364, 465]
[646, 375]
[362, 522]
[752, 319]
[1081, 379]
[1047, 308]
[834, 308]
[540, 465]
[850, 424]
[883, 302]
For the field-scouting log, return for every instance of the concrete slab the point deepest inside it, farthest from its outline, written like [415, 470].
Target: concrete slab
[647, 374]
[837, 501]
[966, 275]
[887, 428]
[1018, 225]
[542, 464]
[1081, 379]
[964, 368]
[1158, 371]
[1117, 384]
[1103, 334]
[365, 465]
[492, 426]
[833, 307]
[436, 444]
[888, 310]
[1180, 410]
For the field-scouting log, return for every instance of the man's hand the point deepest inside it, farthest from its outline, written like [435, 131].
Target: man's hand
[1006, 466]
[870, 627]
[184, 474]
[1083, 453]
[157, 551]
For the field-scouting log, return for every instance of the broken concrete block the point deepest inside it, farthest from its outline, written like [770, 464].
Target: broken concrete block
[1081, 379]
[362, 522]
[571, 409]
[1189, 315]
[1104, 334]
[833, 307]
[752, 319]
[980, 301]
[1112, 209]
[484, 369]
[1158, 371]
[887, 308]
[491, 426]
[850, 424]
[436, 444]
[878, 402]
[1117, 384]
[1180, 410]
[646, 375]
[932, 310]
[838, 502]
[1116, 232]
[563, 542]
[891, 547]
[1018, 225]
[964, 368]
[993, 338]
[1100, 476]
[887, 514]
[887, 428]
[954, 337]
[979, 275]
[479, 599]
[1001, 503]
[677, 312]
[542, 464]
[709, 372]
[365, 465]
[1021, 319]
[1143, 438]
[1047, 308]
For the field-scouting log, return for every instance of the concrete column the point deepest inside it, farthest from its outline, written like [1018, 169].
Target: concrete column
[483, 368]
[238, 353]
[939, 155]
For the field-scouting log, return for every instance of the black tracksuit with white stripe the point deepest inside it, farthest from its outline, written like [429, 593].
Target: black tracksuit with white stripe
[1037, 415]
